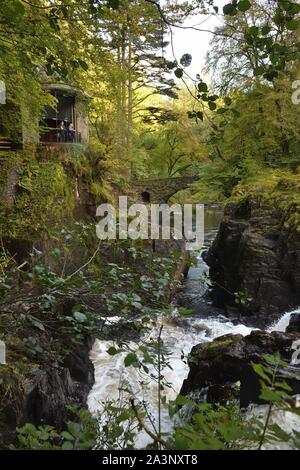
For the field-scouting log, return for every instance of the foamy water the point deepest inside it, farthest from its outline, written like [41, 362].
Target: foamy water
[179, 335]
[283, 322]
[111, 374]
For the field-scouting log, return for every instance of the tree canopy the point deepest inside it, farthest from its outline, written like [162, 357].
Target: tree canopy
[239, 107]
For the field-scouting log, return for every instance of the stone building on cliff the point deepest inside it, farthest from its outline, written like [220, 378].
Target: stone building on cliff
[66, 122]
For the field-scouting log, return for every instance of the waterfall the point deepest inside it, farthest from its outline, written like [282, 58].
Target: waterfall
[283, 322]
[179, 335]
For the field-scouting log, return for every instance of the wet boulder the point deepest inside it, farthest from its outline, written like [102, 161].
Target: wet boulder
[294, 324]
[225, 363]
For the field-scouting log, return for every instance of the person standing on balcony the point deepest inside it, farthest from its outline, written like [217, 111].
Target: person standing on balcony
[71, 132]
[62, 132]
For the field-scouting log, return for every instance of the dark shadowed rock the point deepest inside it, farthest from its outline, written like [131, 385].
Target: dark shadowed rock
[256, 253]
[44, 398]
[294, 324]
[218, 365]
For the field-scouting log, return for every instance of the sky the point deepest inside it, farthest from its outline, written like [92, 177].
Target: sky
[194, 42]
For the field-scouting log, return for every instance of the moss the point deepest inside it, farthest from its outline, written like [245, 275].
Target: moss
[42, 194]
[42, 191]
[78, 159]
[8, 162]
[102, 190]
[223, 341]
[279, 189]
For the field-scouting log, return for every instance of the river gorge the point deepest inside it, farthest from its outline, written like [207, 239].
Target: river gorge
[115, 382]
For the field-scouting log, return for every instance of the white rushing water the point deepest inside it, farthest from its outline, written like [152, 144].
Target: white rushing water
[179, 335]
[110, 372]
[283, 322]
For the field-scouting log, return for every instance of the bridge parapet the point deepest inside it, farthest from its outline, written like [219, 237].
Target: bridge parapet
[158, 190]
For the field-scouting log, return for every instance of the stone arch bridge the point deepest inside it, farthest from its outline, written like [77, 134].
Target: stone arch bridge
[158, 191]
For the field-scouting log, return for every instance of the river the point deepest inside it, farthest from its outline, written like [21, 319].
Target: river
[179, 335]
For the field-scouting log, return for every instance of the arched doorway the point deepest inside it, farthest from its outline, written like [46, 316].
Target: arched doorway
[145, 196]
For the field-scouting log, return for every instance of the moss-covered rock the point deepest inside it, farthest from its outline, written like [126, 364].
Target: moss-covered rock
[218, 366]
[34, 193]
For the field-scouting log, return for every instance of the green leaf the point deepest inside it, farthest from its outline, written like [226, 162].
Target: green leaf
[182, 400]
[265, 30]
[279, 432]
[295, 9]
[67, 435]
[249, 39]
[244, 5]
[124, 415]
[199, 115]
[83, 64]
[147, 358]
[258, 71]
[186, 60]
[290, 7]
[271, 75]
[38, 324]
[191, 114]
[253, 30]
[171, 65]
[112, 351]
[74, 428]
[260, 370]
[292, 25]
[80, 317]
[113, 4]
[227, 100]
[19, 8]
[202, 87]
[271, 395]
[278, 17]
[272, 360]
[178, 73]
[76, 308]
[212, 105]
[130, 359]
[67, 446]
[229, 9]
[27, 428]
[283, 386]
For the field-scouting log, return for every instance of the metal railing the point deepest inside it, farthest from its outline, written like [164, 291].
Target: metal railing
[61, 136]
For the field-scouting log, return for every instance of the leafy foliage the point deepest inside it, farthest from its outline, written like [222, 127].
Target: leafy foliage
[232, 132]
[80, 434]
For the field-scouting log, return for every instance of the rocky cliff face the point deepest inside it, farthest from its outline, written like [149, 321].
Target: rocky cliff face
[44, 399]
[257, 253]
